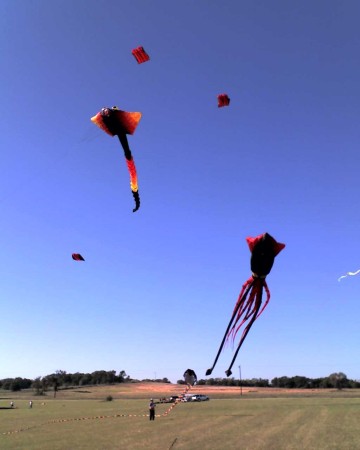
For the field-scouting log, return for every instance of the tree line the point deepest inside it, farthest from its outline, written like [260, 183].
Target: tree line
[335, 380]
[61, 379]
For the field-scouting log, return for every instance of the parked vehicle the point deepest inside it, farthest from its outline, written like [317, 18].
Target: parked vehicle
[173, 398]
[199, 398]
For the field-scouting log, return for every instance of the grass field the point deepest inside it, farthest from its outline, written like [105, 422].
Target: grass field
[259, 419]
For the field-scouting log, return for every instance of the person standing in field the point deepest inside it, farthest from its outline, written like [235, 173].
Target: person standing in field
[30, 404]
[152, 409]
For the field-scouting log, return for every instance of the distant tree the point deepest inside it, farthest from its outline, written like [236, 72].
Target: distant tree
[16, 385]
[260, 382]
[85, 379]
[38, 386]
[355, 384]
[301, 382]
[122, 376]
[339, 380]
[76, 377]
[315, 383]
[325, 383]
[6, 383]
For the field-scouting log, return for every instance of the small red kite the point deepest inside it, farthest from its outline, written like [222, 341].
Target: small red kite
[77, 257]
[223, 100]
[140, 55]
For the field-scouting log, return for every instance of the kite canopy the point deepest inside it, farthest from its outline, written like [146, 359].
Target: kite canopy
[223, 100]
[263, 249]
[116, 122]
[140, 55]
[190, 377]
[77, 257]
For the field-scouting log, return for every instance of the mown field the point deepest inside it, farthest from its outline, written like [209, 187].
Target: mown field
[259, 419]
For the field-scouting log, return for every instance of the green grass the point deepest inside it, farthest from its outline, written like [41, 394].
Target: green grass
[250, 422]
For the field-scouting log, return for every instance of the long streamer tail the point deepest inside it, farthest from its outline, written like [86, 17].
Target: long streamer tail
[349, 273]
[242, 296]
[255, 315]
[132, 170]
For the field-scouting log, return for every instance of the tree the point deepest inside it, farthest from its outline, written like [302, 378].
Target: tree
[122, 376]
[38, 386]
[339, 380]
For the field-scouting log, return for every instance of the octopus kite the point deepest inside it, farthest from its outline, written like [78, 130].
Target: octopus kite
[120, 123]
[249, 306]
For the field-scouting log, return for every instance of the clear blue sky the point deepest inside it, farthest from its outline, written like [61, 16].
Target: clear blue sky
[158, 286]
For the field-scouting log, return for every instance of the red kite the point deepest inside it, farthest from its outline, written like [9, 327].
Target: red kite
[140, 55]
[77, 257]
[223, 100]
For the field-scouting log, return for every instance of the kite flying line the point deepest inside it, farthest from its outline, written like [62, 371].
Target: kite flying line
[112, 416]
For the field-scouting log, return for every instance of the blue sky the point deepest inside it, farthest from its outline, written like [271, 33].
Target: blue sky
[158, 287]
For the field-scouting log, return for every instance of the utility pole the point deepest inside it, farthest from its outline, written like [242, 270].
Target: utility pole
[240, 380]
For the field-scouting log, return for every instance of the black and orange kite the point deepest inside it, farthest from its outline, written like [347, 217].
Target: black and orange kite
[120, 123]
[248, 308]
[140, 55]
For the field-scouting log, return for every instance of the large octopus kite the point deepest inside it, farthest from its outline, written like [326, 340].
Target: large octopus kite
[248, 308]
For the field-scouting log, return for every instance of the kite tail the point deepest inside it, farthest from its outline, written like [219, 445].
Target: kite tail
[254, 314]
[349, 273]
[132, 170]
[243, 294]
[249, 308]
[133, 182]
[242, 307]
[267, 298]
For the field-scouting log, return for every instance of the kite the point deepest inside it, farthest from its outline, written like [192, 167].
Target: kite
[120, 123]
[77, 257]
[248, 308]
[190, 377]
[223, 100]
[140, 55]
[349, 273]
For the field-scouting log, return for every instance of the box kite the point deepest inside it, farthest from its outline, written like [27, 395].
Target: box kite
[140, 55]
